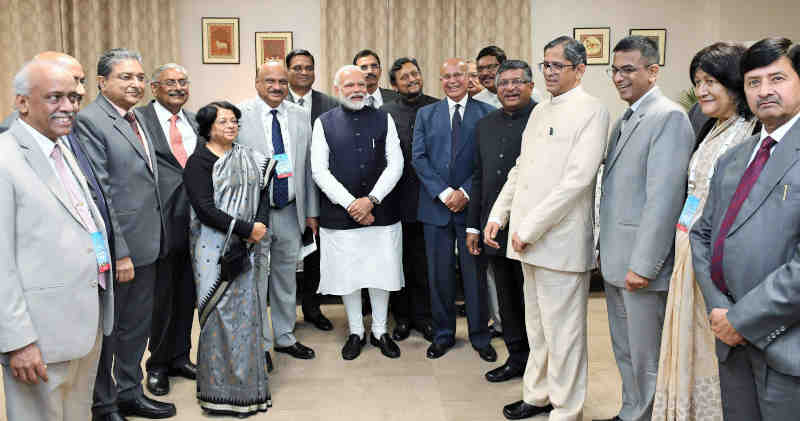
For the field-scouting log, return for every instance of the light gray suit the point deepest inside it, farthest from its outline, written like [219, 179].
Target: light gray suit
[50, 283]
[134, 206]
[761, 266]
[286, 225]
[643, 190]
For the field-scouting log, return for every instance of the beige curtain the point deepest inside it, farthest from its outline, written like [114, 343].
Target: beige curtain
[84, 29]
[429, 30]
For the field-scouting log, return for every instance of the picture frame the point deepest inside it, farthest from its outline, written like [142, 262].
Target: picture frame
[660, 38]
[220, 40]
[272, 45]
[597, 42]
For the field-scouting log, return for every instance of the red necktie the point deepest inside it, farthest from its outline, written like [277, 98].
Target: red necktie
[132, 120]
[745, 185]
[176, 141]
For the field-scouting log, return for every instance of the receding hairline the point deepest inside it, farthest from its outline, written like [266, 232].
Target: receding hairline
[270, 64]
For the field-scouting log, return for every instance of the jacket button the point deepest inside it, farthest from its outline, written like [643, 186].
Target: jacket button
[358, 134]
[501, 156]
[499, 172]
[362, 166]
[363, 184]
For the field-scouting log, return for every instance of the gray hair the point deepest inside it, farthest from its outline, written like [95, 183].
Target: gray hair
[22, 80]
[514, 65]
[160, 69]
[113, 56]
[341, 70]
[574, 51]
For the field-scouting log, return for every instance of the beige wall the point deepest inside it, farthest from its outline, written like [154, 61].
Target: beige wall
[690, 24]
[234, 82]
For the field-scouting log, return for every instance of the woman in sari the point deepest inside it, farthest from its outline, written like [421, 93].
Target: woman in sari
[688, 377]
[224, 183]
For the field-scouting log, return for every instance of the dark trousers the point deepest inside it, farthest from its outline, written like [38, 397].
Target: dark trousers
[308, 284]
[124, 348]
[511, 301]
[412, 304]
[439, 242]
[174, 302]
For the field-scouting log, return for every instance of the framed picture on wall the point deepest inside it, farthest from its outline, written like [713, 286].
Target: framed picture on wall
[659, 36]
[272, 45]
[220, 40]
[597, 42]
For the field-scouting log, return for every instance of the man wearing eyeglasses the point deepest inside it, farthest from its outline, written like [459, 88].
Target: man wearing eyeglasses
[173, 132]
[643, 190]
[547, 204]
[369, 63]
[489, 59]
[498, 137]
[281, 130]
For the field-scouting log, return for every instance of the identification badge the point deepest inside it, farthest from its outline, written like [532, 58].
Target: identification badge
[687, 214]
[100, 252]
[283, 167]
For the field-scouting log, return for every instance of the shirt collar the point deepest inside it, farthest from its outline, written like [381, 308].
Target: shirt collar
[119, 110]
[281, 107]
[635, 106]
[567, 95]
[164, 114]
[377, 95]
[43, 141]
[306, 97]
[781, 131]
[451, 104]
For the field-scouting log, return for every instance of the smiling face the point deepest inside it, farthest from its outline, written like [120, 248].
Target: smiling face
[171, 89]
[351, 88]
[560, 81]
[636, 77]
[225, 127]
[714, 98]
[773, 93]
[272, 83]
[52, 102]
[487, 70]
[513, 90]
[453, 75]
[408, 80]
[125, 85]
[473, 80]
[301, 73]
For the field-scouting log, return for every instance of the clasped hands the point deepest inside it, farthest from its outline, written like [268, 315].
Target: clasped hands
[456, 201]
[361, 210]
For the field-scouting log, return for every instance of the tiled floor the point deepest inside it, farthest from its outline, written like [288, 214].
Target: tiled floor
[373, 387]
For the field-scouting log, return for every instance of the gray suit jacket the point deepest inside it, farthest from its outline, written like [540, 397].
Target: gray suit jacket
[252, 134]
[49, 284]
[175, 201]
[643, 191]
[320, 103]
[128, 182]
[762, 251]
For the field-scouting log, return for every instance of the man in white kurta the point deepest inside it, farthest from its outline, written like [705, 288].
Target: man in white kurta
[356, 161]
[548, 199]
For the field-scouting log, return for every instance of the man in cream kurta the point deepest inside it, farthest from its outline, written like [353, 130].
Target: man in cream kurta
[549, 200]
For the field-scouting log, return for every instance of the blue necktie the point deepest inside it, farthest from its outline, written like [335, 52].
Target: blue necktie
[280, 186]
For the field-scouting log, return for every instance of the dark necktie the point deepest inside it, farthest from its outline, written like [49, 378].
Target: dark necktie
[301, 101]
[625, 118]
[280, 186]
[132, 121]
[454, 132]
[745, 185]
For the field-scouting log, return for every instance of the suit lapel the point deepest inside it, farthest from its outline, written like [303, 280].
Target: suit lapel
[442, 118]
[123, 127]
[40, 165]
[83, 182]
[630, 126]
[470, 115]
[784, 157]
[149, 119]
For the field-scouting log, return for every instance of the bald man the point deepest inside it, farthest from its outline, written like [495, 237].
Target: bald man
[443, 152]
[281, 130]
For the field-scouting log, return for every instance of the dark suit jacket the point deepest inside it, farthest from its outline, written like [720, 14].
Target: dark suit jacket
[129, 185]
[320, 103]
[432, 158]
[174, 200]
[498, 141]
[388, 95]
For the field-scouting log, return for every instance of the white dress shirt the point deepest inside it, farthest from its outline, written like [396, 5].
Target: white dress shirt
[776, 135]
[488, 97]
[451, 108]
[47, 147]
[283, 120]
[377, 98]
[306, 99]
[188, 136]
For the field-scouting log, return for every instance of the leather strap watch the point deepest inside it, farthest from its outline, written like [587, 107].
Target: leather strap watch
[374, 200]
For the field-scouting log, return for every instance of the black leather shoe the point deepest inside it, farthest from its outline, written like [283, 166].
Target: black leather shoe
[146, 408]
[520, 409]
[158, 382]
[487, 353]
[616, 418]
[269, 362]
[504, 372]
[187, 371]
[320, 322]
[111, 416]
[494, 332]
[386, 344]
[401, 331]
[352, 348]
[298, 351]
[426, 330]
[436, 350]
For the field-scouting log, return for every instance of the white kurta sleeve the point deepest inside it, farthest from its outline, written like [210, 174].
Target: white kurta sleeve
[394, 163]
[320, 169]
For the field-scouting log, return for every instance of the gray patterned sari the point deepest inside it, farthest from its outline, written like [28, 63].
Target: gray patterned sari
[232, 372]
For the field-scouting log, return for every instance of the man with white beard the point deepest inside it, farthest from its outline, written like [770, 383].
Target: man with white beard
[356, 161]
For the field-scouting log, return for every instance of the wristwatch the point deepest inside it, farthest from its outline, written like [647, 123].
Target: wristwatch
[374, 200]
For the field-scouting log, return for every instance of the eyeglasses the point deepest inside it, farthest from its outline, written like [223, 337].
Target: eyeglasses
[554, 66]
[282, 82]
[373, 66]
[300, 69]
[502, 83]
[174, 82]
[409, 75]
[449, 76]
[130, 76]
[224, 122]
[488, 67]
[625, 71]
